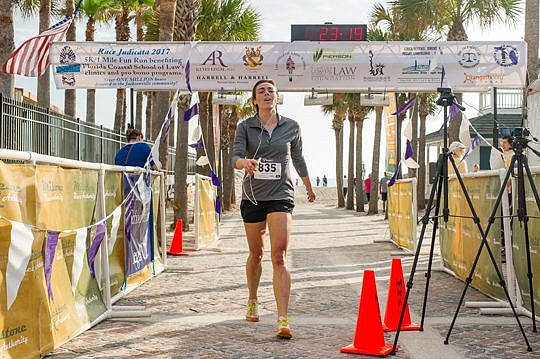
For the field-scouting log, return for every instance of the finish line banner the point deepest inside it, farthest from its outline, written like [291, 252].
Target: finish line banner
[296, 66]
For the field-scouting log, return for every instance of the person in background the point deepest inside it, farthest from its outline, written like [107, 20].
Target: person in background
[457, 149]
[345, 185]
[508, 152]
[135, 153]
[475, 167]
[324, 181]
[318, 181]
[383, 190]
[367, 187]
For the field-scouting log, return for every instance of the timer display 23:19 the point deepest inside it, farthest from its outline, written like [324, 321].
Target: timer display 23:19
[329, 32]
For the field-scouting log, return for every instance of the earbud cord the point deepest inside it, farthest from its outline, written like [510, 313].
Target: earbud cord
[254, 201]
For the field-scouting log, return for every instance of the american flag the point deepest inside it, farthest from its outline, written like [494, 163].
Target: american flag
[31, 58]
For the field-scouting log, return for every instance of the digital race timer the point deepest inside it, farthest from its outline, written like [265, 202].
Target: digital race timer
[328, 32]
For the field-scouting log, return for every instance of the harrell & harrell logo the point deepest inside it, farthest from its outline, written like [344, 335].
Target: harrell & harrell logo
[215, 58]
[253, 57]
[376, 70]
[469, 56]
[67, 56]
[506, 55]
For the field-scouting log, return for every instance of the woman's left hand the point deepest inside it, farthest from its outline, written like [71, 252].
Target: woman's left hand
[311, 196]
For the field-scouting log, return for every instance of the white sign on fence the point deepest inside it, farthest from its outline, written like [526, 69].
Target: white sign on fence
[296, 66]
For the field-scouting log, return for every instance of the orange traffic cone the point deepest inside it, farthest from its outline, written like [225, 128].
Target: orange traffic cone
[394, 303]
[176, 244]
[369, 336]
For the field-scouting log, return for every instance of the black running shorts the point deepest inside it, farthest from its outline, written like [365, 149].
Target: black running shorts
[257, 213]
[384, 196]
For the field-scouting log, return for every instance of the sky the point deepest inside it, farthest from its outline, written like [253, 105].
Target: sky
[318, 136]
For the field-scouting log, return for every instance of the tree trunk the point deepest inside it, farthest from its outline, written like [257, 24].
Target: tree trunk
[350, 167]
[148, 127]
[90, 93]
[121, 23]
[339, 166]
[161, 105]
[456, 33]
[7, 82]
[359, 177]
[120, 110]
[139, 94]
[44, 81]
[181, 165]
[414, 141]
[421, 184]
[531, 38]
[228, 126]
[374, 198]
[70, 97]
[207, 129]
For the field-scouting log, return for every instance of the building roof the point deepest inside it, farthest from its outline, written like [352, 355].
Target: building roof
[483, 124]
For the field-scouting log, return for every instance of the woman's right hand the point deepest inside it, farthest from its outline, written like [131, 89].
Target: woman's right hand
[250, 165]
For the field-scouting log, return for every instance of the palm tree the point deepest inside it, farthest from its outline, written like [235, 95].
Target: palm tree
[374, 195]
[229, 120]
[95, 11]
[44, 81]
[70, 96]
[339, 110]
[359, 114]
[7, 45]
[531, 37]
[44, 8]
[450, 17]
[349, 204]
[143, 13]
[121, 10]
[426, 107]
[223, 20]
[167, 11]
[185, 28]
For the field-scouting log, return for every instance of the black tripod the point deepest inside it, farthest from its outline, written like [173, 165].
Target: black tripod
[520, 163]
[440, 189]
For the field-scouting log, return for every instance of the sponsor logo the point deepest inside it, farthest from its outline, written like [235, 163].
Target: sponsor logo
[469, 56]
[483, 79]
[67, 57]
[419, 68]
[506, 55]
[331, 55]
[215, 59]
[376, 71]
[421, 51]
[213, 68]
[333, 73]
[294, 63]
[253, 57]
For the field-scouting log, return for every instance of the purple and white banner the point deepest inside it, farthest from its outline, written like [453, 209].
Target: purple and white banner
[298, 66]
[138, 224]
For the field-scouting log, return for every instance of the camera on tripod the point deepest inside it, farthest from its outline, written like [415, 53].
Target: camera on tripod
[515, 132]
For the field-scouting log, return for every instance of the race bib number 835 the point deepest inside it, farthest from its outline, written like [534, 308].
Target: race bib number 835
[268, 171]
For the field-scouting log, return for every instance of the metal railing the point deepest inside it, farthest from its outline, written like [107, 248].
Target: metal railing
[26, 127]
[507, 99]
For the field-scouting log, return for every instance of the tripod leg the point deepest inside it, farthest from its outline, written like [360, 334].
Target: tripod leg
[431, 250]
[484, 242]
[425, 221]
[523, 216]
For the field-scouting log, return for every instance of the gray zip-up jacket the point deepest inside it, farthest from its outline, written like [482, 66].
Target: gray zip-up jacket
[283, 144]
